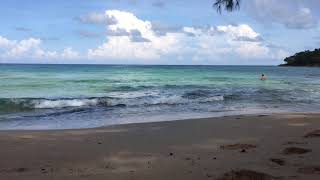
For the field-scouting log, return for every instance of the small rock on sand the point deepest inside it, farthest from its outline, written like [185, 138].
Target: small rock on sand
[243, 151]
[43, 170]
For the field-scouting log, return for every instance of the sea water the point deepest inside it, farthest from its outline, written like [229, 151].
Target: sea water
[83, 96]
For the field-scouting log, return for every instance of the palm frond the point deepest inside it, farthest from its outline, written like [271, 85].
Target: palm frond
[228, 5]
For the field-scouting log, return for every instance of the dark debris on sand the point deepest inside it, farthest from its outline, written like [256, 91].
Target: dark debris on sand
[243, 151]
[280, 162]
[295, 150]
[238, 146]
[246, 175]
[21, 169]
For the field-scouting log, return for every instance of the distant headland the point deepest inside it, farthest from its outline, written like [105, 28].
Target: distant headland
[305, 58]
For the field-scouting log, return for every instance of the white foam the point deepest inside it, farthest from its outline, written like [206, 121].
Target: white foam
[135, 94]
[214, 98]
[46, 104]
[165, 100]
[175, 99]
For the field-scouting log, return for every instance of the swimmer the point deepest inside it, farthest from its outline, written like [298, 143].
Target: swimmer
[263, 77]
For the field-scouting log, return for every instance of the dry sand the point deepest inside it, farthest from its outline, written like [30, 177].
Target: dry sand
[253, 147]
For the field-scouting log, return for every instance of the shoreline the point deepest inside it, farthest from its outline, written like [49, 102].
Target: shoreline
[174, 120]
[160, 120]
[268, 146]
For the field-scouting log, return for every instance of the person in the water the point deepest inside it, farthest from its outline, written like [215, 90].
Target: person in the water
[263, 77]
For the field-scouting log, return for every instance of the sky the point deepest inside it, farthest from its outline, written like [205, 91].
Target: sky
[182, 32]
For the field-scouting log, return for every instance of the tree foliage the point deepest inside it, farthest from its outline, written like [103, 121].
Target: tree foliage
[228, 5]
[306, 58]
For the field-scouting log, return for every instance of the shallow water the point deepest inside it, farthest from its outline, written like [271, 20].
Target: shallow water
[81, 96]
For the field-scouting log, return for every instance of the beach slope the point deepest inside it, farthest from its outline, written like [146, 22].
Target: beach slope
[278, 146]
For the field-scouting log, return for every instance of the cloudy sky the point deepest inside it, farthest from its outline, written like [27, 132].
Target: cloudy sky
[263, 32]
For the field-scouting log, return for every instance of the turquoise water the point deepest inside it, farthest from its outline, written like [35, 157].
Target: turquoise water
[81, 96]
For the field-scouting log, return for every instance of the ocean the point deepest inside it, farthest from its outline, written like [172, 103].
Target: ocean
[85, 96]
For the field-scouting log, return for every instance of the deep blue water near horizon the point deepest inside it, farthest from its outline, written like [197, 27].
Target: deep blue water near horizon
[83, 96]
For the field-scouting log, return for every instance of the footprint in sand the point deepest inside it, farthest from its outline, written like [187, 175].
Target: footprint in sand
[278, 161]
[295, 143]
[313, 134]
[309, 170]
[295, 150]
[246, 174]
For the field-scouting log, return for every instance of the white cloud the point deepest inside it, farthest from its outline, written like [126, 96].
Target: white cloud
[252, 50]
[6, 43]
[24, 47]
[235, 32]
[192, 44]
[132, 40]
[125, 47]
[31, 48]
[69, 53]
[303, 19]
[292, 14]
[96, 18]
[27, 48]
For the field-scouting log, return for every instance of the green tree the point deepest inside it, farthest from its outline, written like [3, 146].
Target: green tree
[228, 5]
[305, 58]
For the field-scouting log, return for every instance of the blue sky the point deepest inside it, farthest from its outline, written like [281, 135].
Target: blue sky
[155, 31]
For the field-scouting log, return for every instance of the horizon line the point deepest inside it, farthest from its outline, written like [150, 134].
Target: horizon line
[93, 64]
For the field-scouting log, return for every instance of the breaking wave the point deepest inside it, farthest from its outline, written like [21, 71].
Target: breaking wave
[25, 104]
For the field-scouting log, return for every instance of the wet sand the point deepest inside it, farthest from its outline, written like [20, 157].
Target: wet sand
[262, 147]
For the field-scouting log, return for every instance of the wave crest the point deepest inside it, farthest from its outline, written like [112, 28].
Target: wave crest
[48, 104]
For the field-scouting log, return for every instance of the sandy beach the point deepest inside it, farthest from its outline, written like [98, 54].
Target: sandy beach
[275, 146]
